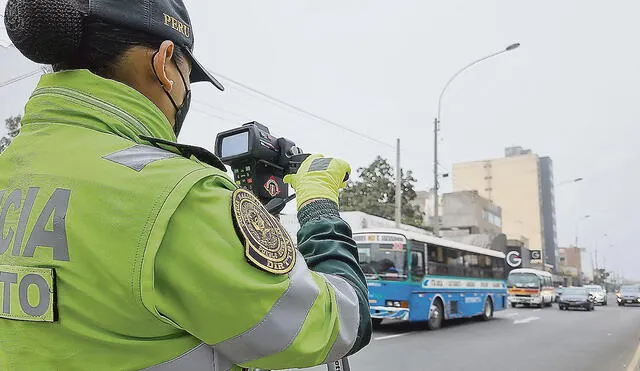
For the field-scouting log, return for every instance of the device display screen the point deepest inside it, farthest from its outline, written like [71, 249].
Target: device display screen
[235, 144]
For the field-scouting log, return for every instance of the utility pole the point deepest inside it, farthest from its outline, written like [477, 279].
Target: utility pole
[597, 271]
[398, 187]
[436, 211]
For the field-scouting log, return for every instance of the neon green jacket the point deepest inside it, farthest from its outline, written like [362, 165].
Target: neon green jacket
[118, 255]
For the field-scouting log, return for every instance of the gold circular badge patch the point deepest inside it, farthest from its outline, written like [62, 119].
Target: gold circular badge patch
[268, 246]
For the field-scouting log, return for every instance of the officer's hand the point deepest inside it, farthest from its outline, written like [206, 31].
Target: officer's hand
[319, 177]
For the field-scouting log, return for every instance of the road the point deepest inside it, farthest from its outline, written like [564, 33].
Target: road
[516, 339]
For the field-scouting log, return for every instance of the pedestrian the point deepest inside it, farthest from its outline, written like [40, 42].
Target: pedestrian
[123, 250]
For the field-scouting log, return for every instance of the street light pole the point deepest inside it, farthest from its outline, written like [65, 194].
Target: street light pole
[576, 180]
[436, 210]
[578, 226]
[436, 128]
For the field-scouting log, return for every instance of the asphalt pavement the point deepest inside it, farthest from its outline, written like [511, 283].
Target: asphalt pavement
[519, 339]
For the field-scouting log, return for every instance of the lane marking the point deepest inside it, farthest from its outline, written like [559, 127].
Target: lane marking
[390, 336]
[537, 310]
[635, 361]
[526, 320]
[511, 314]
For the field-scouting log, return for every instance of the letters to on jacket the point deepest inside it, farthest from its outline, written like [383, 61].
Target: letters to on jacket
[28, 293]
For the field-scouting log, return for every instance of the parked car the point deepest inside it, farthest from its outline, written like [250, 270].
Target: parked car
[628, 295]
[599, 294]
[557, 292]
[576, 297]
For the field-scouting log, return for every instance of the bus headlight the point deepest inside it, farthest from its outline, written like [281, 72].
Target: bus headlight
[397, 303]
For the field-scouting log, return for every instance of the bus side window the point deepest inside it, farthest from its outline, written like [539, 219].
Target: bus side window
[437, 265]
[417, 265]
[455, 263]
[498, 268]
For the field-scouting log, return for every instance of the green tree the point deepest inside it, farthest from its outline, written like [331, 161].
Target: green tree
[13, 128]
[600, 276]
[374, 193]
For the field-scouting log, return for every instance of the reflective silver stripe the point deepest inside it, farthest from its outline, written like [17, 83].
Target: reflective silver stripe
[221, 362]
[199, 358]
[279, 328]
[349, 315]
[139, 156]
[320, 164]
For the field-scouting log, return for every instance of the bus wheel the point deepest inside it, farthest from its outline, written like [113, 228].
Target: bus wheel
[487, 313]
[436, 315]
[376, 321]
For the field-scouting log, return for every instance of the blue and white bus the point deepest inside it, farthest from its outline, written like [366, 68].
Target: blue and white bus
[419, 277]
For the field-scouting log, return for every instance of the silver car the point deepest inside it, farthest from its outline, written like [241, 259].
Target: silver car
[599, 294]
[628, 295]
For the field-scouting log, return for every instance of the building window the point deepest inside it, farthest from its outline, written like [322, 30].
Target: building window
[491, 218]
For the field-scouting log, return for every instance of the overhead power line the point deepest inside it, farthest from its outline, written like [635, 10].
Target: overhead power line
[20, 78]
[196, 109]
[305, 112]
[224, 110]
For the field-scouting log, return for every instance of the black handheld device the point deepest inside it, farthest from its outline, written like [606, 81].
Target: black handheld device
[259, 162]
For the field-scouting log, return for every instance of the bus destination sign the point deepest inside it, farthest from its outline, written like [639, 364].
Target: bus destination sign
[379, 237]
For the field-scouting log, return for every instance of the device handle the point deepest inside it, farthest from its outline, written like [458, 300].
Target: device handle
[294, 163]
[339, 365]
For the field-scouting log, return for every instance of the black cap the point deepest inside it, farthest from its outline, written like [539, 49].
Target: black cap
[167, 19]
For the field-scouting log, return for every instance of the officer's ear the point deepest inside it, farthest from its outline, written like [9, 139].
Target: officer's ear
[162, 64]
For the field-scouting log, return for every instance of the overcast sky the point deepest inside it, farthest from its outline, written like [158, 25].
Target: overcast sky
[571, 91]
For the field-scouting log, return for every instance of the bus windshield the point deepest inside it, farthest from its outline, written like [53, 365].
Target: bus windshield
[386, 261]
[523, 280]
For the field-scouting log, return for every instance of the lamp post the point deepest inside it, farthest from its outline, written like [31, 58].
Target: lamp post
[436, 124]
[604, 235]
[576, 180]
[582, 218]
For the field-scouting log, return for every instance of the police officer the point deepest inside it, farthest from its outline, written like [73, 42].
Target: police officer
[122, 250]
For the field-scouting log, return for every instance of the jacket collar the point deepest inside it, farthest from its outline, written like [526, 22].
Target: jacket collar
[81, 98]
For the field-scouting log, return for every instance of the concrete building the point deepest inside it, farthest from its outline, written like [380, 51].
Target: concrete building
[463, 212]
[465, 217]
[577, 262]
[548, 210]
[570, 264]
[522, 184]
[571, 257]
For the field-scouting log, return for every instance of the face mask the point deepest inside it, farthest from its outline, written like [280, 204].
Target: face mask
[181, 112]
